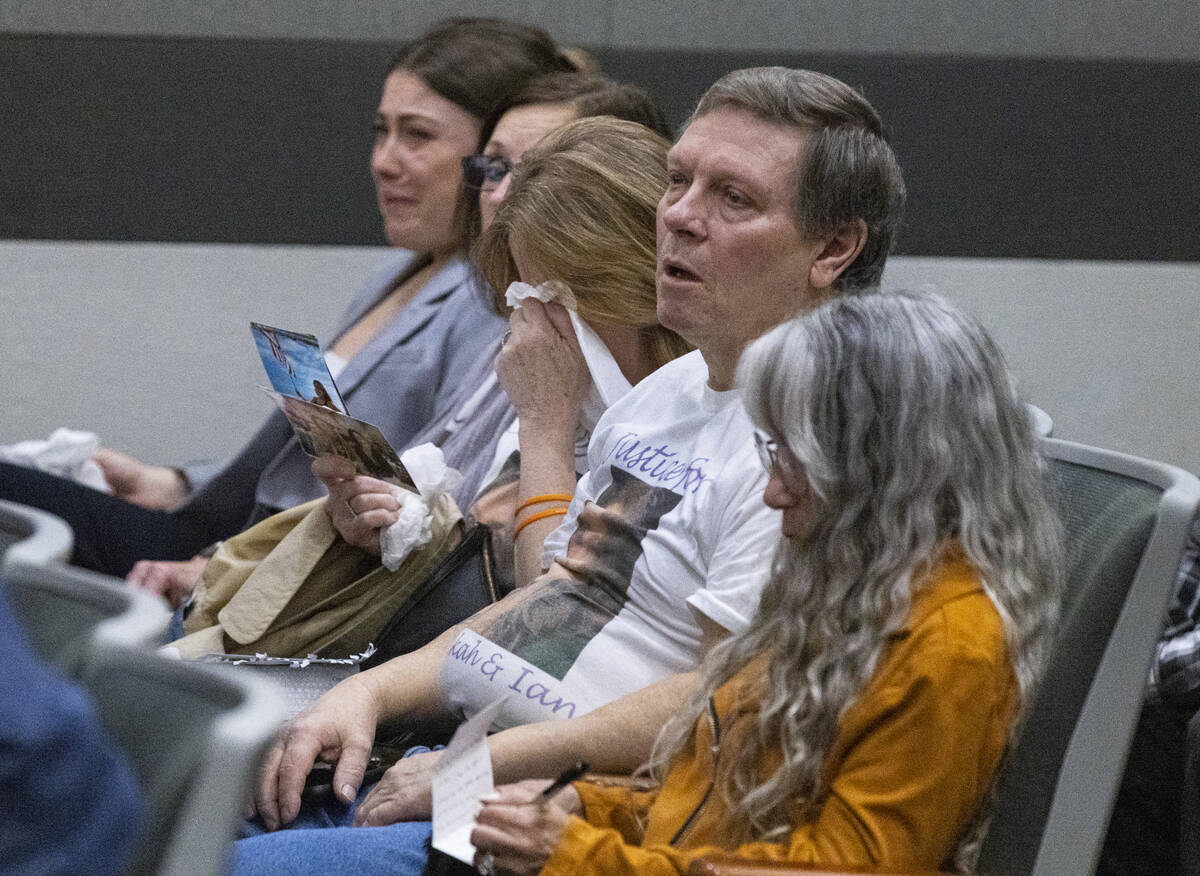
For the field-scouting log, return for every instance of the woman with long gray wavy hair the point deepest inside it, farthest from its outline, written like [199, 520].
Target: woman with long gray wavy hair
[862, 716]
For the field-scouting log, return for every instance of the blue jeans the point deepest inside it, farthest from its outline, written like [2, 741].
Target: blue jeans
[322, 841]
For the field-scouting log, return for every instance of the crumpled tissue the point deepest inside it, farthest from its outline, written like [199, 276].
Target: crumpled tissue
[608, 383]
[66, 453]
[435, 482]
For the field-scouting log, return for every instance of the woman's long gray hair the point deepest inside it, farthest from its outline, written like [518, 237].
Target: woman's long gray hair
[906, 423]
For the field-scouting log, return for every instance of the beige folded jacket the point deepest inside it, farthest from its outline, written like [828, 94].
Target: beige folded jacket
[290, 587]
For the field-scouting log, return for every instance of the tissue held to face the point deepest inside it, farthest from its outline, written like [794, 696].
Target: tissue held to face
[580, 210]
[622, 343]
[541, 365]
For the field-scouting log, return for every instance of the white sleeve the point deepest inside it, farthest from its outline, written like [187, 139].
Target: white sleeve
[746, 533]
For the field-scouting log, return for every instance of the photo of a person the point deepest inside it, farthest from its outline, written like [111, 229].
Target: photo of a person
[321, 397]
[375, 458]
[552, 629]
[325, 432]
[295, 365]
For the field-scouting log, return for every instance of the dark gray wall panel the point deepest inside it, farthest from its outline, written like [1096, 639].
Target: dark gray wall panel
[1148, 29]
[1012, 157]
[266, 141]
[183, 139]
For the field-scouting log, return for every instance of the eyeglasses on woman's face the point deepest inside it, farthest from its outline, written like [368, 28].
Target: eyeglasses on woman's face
[768, 451]
[787, 489]
[485, 172]
[777, 460]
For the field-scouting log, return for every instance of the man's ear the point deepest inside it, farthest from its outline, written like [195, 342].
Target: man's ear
[840, 250]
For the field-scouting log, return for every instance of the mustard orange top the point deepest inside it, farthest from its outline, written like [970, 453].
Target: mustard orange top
[911, 763]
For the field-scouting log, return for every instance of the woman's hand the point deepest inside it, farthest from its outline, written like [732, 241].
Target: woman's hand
[174, 581]
[404, 793]
[542, 369]
[358, 506]
[516, 831]
[151, 486]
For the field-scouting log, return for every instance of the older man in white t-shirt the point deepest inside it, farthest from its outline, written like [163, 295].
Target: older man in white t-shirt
[782, 191]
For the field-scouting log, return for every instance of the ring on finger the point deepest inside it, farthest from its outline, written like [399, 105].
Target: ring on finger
[350, 508]
[507, 335]
[487, 864]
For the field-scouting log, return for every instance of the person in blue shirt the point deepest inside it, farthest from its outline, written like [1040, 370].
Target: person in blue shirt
[69, 802]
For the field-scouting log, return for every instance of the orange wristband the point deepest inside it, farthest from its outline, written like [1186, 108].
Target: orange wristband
[541, 515]
[548, 497]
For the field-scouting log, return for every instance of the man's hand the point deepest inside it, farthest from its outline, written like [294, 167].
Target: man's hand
[405, 793]
[151, 486]
[339, 729]
[358, 506]
[541, 367]
[174, 581]
[517, 830]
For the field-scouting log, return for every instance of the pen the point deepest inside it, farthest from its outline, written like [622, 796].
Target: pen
[565, 778]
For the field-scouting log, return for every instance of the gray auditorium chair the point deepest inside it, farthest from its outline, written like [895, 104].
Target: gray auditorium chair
[1126, 522]
[33, 537]
[1043, 426]
[64, 609]
[194, 736]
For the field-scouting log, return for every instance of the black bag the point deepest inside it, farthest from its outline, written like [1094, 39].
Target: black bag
[462, 584]
[440, 864]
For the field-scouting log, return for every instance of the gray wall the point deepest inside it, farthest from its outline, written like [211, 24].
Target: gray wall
[1148, 29]
[1107, 349]
[149, 344]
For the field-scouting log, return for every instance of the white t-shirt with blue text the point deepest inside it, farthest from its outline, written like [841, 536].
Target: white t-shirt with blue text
[668, 522]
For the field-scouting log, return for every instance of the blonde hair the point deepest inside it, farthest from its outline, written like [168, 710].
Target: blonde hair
[911, 436]
[582, 206]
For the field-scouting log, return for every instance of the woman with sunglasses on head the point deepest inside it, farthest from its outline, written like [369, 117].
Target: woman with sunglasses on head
[861, 718]
[538, 107]
[401, 347]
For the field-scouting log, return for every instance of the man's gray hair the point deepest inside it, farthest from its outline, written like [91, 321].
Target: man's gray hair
[845, 171]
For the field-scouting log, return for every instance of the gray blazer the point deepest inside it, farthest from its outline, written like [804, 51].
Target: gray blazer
[408, 371]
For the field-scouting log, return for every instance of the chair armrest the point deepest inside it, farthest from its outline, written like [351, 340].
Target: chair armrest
[730, 866]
